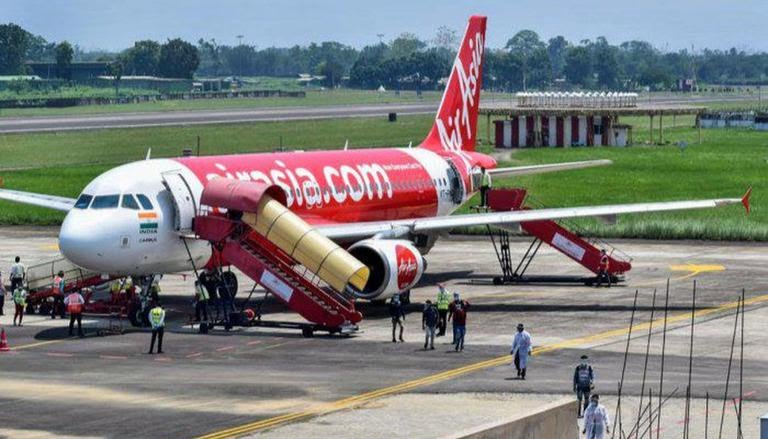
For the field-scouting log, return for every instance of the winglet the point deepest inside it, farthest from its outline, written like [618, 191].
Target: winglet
[745, 199]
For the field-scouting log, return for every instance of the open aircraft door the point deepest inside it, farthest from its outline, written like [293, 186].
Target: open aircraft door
[185, 207]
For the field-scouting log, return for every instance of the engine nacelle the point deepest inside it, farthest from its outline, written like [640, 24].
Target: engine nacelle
[395, 264]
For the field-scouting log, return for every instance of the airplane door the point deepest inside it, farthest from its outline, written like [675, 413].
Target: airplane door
[456, 185]
[184, 205]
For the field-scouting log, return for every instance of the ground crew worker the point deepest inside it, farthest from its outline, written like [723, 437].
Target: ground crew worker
[484, 187]
[18, 274]
[583, 383]
[75, 302]
[459, 316]
[58, 295]
[596, 421]
[457, 304]
[397, 313]
[443, 303]
[2, 294]
[157, 320]
[602, 270]
[201, 302]
[429, 319]
[521, 348]
[20, 301]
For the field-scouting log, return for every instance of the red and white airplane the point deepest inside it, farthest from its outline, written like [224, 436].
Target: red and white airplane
[391, 201]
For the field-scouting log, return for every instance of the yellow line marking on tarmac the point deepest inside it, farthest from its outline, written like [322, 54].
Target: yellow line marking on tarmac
[697, 268]
[51, 247]
[323, 409]
[40, 343]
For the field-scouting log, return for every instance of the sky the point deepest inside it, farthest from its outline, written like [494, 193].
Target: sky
[116, 24]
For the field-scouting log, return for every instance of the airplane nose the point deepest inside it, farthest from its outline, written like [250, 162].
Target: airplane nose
[79, 241]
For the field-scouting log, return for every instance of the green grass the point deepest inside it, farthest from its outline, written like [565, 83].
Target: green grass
[314, 98]
[723, 166]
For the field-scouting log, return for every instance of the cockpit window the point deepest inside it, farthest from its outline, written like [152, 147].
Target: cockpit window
[129, 202]
[145, 203]
[83, 201]
[105, 202]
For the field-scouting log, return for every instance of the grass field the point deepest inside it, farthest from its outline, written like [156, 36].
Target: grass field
[723, 166]
[313, 98]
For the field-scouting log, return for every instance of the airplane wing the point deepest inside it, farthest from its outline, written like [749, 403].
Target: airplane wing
[541, 169]
[42, 200]
[420, 225]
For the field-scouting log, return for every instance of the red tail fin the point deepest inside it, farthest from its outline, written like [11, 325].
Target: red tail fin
[455, 127]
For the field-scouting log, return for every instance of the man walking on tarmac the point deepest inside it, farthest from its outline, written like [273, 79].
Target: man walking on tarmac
[583, 383]
[397, 313]
[443, 303]
[429, 319]
[596, 422]
[521, 348]
[58, 295]
[157, 320]
[18, 274]
[602, 271]
[456, 305]
[201, 302]
[20, 302]
[75, 302]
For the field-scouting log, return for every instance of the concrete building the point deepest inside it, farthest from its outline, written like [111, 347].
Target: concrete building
[573, 119]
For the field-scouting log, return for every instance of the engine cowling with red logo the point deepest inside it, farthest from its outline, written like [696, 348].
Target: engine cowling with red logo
[396, 266]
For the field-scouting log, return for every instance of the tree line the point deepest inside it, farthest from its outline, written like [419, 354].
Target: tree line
[525, 62]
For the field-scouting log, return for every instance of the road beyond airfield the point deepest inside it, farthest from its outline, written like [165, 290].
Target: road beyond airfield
[31, 124]
[277, 384]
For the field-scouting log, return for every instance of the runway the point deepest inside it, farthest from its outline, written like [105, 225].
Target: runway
[196, 117]
[276, 384]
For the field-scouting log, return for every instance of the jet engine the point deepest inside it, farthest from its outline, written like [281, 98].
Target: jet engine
[395, 266]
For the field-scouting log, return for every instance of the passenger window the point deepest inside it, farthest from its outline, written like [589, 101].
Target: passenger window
[105, 202]
[129, 202]
[145, 203]
[83, 201]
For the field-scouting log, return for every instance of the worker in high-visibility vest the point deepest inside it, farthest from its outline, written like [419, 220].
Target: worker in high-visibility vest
[602, 269]
[157, 320]
[20, 301]
[443, 303]
[484, 187]
[75, 302]
[59, 284]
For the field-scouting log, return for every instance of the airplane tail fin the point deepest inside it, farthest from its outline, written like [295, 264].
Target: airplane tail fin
[455, 127]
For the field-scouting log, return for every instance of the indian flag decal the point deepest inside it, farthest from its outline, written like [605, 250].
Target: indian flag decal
[148, 222]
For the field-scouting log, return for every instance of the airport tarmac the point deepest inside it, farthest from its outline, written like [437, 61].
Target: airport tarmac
[275, 383]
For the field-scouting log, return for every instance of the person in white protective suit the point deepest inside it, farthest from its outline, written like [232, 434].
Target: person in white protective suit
[596, 422]
[521, 348]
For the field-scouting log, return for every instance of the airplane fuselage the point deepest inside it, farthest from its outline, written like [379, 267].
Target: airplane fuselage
[127, 220]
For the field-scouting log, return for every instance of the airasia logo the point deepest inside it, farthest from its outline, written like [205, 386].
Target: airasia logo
[450, 130]
[303, 188]
[407, 266]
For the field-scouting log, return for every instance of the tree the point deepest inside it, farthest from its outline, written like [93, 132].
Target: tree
[446, 38]
[556, 48]
[578, 66]
[240, 59]
[40, 50]
[143, 58]
[115, 69]
[64, 54]
[13, 45]
[178, 59]
[605, 63]
[527, 46]
[210, 57]
[405, 44]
